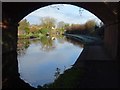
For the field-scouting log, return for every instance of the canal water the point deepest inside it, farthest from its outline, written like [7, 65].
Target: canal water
[39, 60]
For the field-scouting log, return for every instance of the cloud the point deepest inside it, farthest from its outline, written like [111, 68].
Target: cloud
[67, 13]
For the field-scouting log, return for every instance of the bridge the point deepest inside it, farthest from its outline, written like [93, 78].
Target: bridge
[12, 13]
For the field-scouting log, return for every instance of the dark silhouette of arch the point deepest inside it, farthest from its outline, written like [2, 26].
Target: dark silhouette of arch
[13, 12]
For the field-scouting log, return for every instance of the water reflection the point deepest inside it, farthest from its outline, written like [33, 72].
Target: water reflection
[41, 61]
[22, 45]
[47, 43]
[74, 41]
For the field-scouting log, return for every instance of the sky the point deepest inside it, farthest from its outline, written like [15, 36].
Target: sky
[62, 12]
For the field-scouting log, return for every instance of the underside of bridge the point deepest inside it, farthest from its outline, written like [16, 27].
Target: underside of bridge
[12, 13]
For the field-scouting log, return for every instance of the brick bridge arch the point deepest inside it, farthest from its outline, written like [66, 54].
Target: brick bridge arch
[12, 13]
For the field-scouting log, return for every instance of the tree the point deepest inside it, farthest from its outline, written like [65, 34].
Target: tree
[48, 22]
[35, 29]
[67, 25]
[60, 24]
[24, 25]
[90, 25]
[87, 28]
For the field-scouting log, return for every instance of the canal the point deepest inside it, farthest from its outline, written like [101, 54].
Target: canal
[41, 61]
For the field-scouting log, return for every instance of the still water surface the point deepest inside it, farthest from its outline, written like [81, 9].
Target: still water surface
[38, 59]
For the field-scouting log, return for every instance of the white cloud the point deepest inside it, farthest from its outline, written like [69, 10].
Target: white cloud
[66, 13]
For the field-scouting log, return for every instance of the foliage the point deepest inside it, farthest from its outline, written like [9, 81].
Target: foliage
[90, 25]
[87, 28]
[48, 22]
[48, 27]
[24, 25]
[34, 28]
[60, 24]
[22, 46]
[44, 31]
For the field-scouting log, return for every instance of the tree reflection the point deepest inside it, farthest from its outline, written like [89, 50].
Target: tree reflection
[61, 40]
[47, 43]
[74, 41]
[22, 46]
[35, 41]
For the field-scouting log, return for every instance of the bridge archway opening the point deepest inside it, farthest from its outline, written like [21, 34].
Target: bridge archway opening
[107, 12]
[66, 13]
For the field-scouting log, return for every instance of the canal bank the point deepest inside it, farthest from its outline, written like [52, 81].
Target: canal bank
[93, 47]
[100, 70]
[94, 68]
